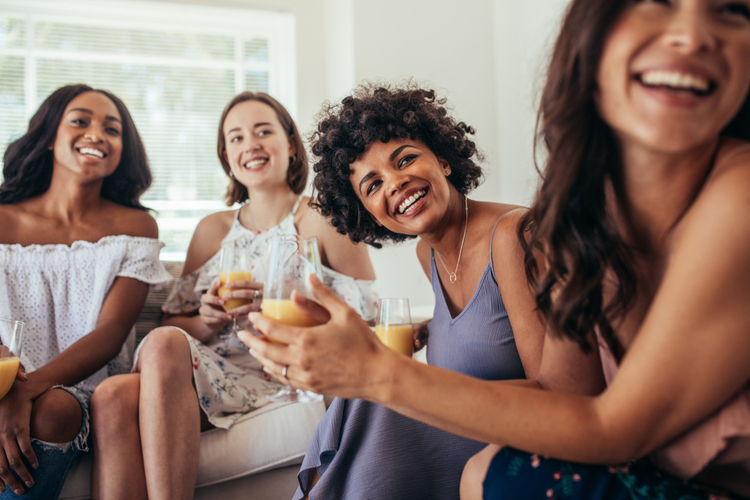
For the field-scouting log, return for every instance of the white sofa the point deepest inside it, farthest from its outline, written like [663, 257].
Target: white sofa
[257, 459]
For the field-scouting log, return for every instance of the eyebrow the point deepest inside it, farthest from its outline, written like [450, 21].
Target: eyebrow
[89, 112]
[398, 150]
[365, 179]
[392, 156]
[254, 126]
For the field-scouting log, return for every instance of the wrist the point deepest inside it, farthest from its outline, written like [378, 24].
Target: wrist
[34, 386]
[385, 373]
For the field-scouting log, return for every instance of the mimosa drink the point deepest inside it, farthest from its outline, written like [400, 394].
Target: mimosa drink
[400, 338]
[284, 311]
[8, 370]
[228, 278]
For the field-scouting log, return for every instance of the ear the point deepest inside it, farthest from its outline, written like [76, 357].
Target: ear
[292, 146]
[445, 166]
[376, 221]
[226, 158]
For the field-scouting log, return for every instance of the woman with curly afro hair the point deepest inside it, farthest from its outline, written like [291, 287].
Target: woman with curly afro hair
[393, 164]
[637, 252]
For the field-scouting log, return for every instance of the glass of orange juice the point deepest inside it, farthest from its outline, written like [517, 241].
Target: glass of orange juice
[293, 259]
[11, 338]
[394, 327]
[234, 266]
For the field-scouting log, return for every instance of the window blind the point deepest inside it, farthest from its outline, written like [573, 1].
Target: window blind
[175, 67]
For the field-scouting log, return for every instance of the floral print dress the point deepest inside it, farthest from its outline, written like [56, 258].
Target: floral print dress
[228, 380]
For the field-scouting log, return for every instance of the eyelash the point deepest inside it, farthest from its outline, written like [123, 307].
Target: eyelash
[737, 9]
[401, 164]
[81, 122]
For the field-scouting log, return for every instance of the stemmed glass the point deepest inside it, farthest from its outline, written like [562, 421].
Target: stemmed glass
[11, 336]
[234, 266]
[394, 327]
[293, 259]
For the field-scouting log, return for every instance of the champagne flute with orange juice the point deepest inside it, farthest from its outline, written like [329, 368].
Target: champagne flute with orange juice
[394, 327]
[234, 266]
[293, 259]
[11, 337]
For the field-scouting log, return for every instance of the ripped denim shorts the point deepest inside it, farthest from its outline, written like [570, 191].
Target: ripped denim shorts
[56, 458]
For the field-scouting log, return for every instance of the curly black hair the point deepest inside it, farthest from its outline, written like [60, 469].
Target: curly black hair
[377, 112]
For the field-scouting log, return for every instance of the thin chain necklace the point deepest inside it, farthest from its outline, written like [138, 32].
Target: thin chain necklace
[452, 275]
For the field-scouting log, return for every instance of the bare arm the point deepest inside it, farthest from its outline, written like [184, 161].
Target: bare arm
[206, 241]
[337, 251]
[698, 319]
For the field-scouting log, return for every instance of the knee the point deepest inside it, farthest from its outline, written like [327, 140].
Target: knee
[56, 417]
[166, 350]
[475, 471]
[115, 403]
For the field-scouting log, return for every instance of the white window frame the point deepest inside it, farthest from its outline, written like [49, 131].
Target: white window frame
[277, 27]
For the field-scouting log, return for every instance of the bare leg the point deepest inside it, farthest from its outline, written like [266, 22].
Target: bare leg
[475, 471]
[118, 459]
[169, 416]
[56, 417]
[311, 482]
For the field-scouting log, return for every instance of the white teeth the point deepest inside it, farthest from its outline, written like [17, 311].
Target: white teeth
[410, 201]
[676, 80]
[91, 152]
[255, 163]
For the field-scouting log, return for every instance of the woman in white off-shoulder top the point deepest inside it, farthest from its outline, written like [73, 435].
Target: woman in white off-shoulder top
[77, 253]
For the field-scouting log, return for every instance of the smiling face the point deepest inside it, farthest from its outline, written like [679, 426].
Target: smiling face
[257, 147]
[89, 137]
[673, 73]
[403, 185]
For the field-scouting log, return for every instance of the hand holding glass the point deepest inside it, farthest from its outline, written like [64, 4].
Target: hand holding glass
[394, 327]
[234, 266]
[11, 332]
[293, 259]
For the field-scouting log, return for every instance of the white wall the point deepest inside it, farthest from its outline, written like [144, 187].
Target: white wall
[486, 56]
[524, 33]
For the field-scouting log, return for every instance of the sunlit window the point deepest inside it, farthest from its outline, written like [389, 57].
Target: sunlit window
[175, 67]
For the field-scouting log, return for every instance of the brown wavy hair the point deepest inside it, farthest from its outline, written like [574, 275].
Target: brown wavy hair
[296, 175]
[570, 222]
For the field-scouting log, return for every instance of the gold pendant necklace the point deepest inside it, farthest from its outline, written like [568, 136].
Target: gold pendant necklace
[452, 275]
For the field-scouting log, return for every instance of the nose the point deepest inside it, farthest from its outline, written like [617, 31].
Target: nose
[93, 134]
[253, 144]
[395, 181]
[690, 30]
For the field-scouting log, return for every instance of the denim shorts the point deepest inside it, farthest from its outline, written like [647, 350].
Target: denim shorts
[56, 458]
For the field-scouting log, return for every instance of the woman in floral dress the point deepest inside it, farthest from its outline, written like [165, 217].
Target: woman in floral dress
[158, 411]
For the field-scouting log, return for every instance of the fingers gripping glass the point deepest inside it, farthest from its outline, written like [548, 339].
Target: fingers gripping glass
[293, 259]
[11, 336]
[234, 266]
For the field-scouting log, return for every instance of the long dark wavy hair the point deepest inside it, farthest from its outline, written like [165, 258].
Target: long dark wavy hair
[296, 174]
[379, 112]
[28, 160]
[570, 222]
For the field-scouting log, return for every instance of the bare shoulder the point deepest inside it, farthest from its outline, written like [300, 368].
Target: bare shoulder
[724, 200]
[337, 251]
[11, 216]
[133, 222]
[504, 220]
[206, 240]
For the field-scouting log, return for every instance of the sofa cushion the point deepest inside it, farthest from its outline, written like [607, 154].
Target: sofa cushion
[276, 435]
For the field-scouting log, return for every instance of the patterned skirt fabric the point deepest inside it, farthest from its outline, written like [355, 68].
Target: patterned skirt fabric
[518, 475]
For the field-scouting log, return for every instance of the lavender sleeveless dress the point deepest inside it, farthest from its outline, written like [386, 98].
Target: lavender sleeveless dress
[364, 450]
